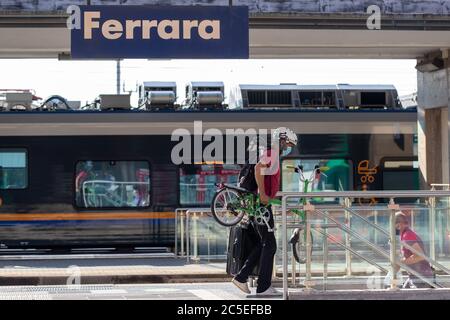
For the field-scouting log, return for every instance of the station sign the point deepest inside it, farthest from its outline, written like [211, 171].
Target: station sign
[163, 32]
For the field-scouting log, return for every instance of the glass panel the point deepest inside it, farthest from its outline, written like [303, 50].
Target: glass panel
[105, 184]
[256, 97]
[373, 98]
[207, 238]
[13, 169]
[428, 220]
[329, 99]
[279, 97]
[335, 176]
[197, 182]
[311, 98]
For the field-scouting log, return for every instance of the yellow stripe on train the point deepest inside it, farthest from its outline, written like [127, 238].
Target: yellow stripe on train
[86, 216]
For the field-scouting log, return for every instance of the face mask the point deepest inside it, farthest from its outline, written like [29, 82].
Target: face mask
[286, 152]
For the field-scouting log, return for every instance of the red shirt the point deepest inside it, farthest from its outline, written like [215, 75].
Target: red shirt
[271, 173]
[410, 237]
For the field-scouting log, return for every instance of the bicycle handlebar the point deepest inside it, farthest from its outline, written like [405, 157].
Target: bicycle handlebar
[317, 170]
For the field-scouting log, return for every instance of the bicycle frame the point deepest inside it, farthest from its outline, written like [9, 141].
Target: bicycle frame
[249, 204]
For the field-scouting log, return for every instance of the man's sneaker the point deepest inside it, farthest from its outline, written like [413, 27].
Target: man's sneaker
[270, 292]
[241, 285]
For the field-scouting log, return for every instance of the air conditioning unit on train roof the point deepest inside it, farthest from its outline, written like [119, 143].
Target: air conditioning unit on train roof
[18, 100]
[157, 94]
[114, 101]
[369, 96]
[262, 96]
[205, 94]
[74, 104]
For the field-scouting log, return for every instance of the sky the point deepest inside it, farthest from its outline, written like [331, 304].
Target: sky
[85, 80]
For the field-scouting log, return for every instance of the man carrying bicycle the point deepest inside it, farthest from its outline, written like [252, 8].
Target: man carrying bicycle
[267, 175]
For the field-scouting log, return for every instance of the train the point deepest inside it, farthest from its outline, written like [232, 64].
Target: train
[212, 95]
[86, 179]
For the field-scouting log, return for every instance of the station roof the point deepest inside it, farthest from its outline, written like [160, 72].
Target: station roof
[437, 7]
[278, 29]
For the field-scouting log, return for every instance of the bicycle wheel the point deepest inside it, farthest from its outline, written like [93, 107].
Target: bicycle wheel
[226, 207]
[299, 247]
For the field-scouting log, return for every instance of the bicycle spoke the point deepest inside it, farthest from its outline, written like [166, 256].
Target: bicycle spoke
[225, 198]
[227, 207]
[221, 200]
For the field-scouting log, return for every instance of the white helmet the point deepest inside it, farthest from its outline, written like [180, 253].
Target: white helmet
[284, 133]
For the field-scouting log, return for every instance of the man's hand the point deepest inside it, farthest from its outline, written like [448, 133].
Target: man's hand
[264, 198]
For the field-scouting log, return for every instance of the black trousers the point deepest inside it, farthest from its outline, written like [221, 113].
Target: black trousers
[263, 252]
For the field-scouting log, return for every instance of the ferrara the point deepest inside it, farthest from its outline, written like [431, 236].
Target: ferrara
[145, 29]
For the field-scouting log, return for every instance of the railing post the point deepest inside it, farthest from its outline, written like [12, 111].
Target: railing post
[294, 271]
[208, 238]
[432, 224]
[325, 256]
[195, 257]
[348, 255]
[284, 246]
[308, 210]
[375, 220]
[393, 243]
[182, 235]
[188, 242]
[176, 233]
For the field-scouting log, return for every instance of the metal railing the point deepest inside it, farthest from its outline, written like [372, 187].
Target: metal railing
[345, 205]
[187, 226]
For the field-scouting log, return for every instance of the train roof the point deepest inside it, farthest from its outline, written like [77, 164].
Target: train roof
[317, 87]
[128, 122]
[207, 83]
[269, 86]
[366, 87]
[159, 84]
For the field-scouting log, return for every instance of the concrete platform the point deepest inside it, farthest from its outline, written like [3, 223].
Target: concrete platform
[111, 271]
[224, 291]
[169, 291]
[401, 294]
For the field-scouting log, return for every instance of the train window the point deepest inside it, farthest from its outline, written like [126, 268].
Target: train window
[13, 169]
[311, 98]
[373, 98]
[400, 175]
[112, 184]
[336, 175]
[198, 182]
[279, 97]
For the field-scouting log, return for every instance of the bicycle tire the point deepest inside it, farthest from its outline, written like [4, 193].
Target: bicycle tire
[215, 214]
[299, 246]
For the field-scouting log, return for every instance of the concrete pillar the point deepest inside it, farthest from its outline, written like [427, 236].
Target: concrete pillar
[433, 124]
